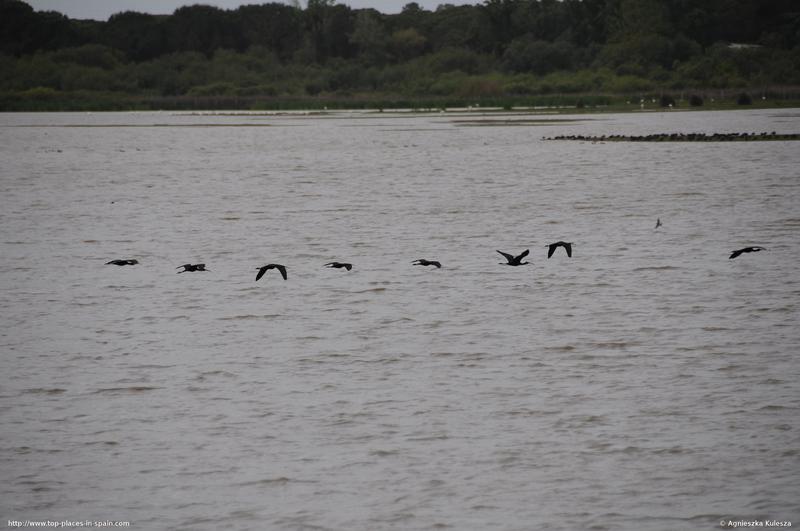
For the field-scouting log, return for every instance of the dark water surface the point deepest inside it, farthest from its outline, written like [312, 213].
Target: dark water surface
[646, 383]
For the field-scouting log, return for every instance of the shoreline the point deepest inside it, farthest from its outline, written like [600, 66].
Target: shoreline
[54, 101]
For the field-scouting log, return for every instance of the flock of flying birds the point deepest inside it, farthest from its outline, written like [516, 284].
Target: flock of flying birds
[510, 259]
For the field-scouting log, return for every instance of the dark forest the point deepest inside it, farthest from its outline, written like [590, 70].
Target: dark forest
[501, 52]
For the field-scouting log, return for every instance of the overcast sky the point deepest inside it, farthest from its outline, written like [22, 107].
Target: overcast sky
[102, 9]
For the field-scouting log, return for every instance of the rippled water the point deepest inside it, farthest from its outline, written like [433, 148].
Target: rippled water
[646, 383]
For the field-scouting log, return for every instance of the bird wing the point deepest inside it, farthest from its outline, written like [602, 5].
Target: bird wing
[330, 264]
[437, 264]
[348, 266]
[508, 256]
[261, 271]
[551, 249]
[282, 270]
[523, 254]
[734, 254]
[568, 247]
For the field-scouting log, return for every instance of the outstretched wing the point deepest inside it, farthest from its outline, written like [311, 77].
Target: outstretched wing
[348, 266]
[568, 247]
[551, 249]
[261, 271]
[509, 257]
[437, 264]
[734, 254]
[282, 270]
[523, 254]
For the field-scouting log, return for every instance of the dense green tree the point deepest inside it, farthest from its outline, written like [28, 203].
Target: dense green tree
[455, 26]
[25, 31]
[90, 55]
[140, 37]
[329, 27]
[539, 57]
[458, 60]
[370, 38]
[277, 27]
[201, 28]
[407, 44]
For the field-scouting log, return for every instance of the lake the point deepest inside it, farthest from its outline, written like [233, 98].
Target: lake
[648, 382]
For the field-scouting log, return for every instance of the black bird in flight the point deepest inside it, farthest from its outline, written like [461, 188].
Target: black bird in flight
[515, 260]
[264, 269]
[192, 267]
[553, 246]
[424, 262]
[339, 265]
[734, 254]
[122, 262]
[658, 222]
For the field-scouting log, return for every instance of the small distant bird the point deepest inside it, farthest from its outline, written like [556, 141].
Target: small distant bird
[264, 269]
[122, 262]
[515, 260]
[192, 267]
[658, 222]
[339, 265]
[734, 254]
[424, 262]
[553, 246]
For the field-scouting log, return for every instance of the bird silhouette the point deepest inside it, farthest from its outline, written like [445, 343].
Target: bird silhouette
[734, 254]
[122, 262]
[553, 246]
[423, 262]
[192, 267]
[515, 260]
[339, 265]
[264, 269]
[658, 222]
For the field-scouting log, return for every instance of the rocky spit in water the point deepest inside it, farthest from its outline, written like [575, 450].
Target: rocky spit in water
[682, 137]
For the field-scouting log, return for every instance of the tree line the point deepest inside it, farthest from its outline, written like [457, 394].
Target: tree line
[496, 49]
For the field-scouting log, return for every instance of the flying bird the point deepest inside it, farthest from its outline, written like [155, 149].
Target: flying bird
[734, 254]
[658, 222]
[423, 262]
[192, 267]
[339, 265]
[515, 260]
[264, 269]
[122, 262]
[553, 246]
